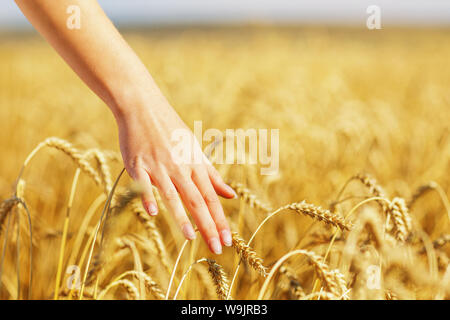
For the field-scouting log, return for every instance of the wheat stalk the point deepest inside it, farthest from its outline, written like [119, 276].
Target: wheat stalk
[333, 281]
[294, 284]
[152, 232]
[438, 243]
[151, 285]
[5, 208]
[102, 161]
[371, 183]
[219, 278]
[74, 293]
[206, 281]
[390, 295]
[131, 289]
[248, 255]
[320, 295]
[420, 192]
[304, 208]
[73, 153]
[431, 186]
[248, 197]
[441, 241]
[95, 234]
[320, 214]
[123, 200]
[400, 218]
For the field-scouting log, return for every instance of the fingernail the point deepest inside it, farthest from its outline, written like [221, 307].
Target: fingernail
[226, 237]
[215, 246]
[152, 209]
[232, 191]
[188, 231]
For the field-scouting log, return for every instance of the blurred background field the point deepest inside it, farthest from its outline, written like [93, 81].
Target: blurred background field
[347, 100]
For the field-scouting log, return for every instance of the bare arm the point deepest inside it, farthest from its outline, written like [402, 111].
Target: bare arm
[96, 52]
[104, 61]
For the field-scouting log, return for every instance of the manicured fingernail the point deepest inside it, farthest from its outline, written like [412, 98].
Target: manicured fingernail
[215, 246]
[226, 237]
[188, 231]
[232, 191]
[152, 209]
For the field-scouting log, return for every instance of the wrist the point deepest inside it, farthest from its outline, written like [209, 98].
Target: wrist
[132, 100]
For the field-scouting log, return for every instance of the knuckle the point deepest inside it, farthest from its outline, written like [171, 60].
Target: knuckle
[211, 198]
[170, 194]
[133, 165]
[196, 202]
[177, 167]
[209, 229]
[222, 222]
[180, 174]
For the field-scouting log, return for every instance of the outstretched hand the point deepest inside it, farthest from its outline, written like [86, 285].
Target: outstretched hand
[146, 146]
[104, 61]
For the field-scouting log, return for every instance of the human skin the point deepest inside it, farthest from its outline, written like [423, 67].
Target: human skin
[145, 120]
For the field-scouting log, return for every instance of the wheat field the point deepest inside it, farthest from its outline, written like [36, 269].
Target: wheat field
[358, 210]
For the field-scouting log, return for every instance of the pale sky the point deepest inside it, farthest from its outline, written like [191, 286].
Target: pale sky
[157, 12]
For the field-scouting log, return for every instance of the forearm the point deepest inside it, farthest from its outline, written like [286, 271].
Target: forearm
[96, 52]
[104, 61]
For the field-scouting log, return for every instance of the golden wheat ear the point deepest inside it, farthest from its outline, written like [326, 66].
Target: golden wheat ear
[219, 278]
[248, 255]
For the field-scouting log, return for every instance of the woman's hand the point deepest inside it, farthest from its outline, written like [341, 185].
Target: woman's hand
[145, 133]
[104, 61]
